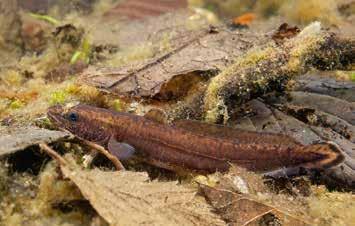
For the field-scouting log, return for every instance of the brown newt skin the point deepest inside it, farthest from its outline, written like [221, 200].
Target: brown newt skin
[191, 145]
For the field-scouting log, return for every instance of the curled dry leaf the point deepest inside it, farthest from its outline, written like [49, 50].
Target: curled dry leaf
[130, 198]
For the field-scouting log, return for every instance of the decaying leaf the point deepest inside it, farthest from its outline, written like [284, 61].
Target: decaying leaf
[130, 198]
[319, 118]
[15, 139]
[238, 208]
[326, 84]
[200, 54]
[328, 104]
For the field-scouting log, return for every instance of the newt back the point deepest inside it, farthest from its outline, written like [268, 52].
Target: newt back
[193, 145]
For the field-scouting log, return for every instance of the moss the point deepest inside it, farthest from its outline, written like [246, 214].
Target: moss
[3, 181]
[214, 104]
[58, 97]
[352, 76]
[305, 43]
[261, 70]
[40, 65]
[306, 11]
[89, 94]
[16, 104]
[38, 203]
[11, 78]
[332, 208]
[268, 7]
[53, 190]
[117, 105]
[344, 75]
[232, 7]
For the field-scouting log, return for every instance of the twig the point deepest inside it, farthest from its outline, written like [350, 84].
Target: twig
[116, 162]
[44, 147]
[102, 150]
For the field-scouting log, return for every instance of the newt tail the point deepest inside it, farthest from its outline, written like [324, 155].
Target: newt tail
[191, 145]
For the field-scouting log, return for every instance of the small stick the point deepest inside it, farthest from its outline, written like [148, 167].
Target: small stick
[44, 147]
[116, 162]
[108, 155]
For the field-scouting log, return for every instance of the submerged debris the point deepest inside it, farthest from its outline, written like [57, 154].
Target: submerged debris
[164, 55]
[262, 70]
[126, 197]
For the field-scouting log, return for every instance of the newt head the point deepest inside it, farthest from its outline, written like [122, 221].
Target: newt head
[80, 121]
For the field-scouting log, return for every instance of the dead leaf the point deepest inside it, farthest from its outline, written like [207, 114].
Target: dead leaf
[325, 83]
[200, 54]
[244, 209]
[140, 9]
[328, 104]
[319, 118]
[16, 139]
[130, 198]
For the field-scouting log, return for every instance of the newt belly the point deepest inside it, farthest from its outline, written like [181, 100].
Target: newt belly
[191, 145]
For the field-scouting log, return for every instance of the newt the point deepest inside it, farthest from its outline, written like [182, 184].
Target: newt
[191, 145]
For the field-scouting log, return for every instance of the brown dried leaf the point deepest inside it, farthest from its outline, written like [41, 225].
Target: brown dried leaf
[328, 104]
[241, 209]
[130, 198]
[319, 118]
[196, 54]
[325, 83]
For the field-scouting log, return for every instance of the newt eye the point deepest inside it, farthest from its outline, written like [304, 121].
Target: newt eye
[73, 117]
